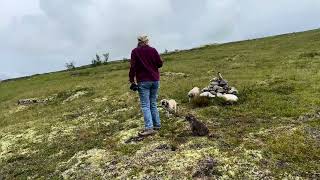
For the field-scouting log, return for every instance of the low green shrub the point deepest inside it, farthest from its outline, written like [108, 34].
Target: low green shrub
[309, 54]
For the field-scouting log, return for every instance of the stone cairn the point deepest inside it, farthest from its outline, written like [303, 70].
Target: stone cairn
[218, 85]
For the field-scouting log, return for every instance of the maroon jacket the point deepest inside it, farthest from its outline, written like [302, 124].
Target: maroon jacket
[145, 62]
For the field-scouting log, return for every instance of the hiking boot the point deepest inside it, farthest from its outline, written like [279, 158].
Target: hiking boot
[156, 128]
[147, 132]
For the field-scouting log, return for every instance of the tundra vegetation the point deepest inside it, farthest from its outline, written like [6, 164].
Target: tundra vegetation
[84, 128]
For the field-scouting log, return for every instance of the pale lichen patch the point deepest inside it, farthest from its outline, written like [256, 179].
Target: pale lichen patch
[124, 109]
[61, 131]
[174, 74]
[124, 135]
[184, 159]
[18, 144]
[17, 109]
[108, 122]
[98, 100]
[85, 164]
[75, 96]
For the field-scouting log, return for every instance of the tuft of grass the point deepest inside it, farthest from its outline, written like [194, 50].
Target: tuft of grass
[294, 150]
[283, 89]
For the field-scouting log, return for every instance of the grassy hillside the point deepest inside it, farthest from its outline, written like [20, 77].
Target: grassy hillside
[81, 131]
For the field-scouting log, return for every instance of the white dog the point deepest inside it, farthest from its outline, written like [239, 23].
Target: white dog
[229, 98]
[194, 93]
[169, 105]
[207, 94]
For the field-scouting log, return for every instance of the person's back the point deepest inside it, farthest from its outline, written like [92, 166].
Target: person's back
[144, 65]
[145, 62]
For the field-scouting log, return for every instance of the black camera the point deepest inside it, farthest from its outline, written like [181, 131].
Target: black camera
[134, 87]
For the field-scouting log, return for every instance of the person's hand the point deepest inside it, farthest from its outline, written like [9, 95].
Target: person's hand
[134, 87]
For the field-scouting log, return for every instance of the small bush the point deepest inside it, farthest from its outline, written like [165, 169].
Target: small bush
[106, 58]
[95, 62]
[70, 65]
[309, 54]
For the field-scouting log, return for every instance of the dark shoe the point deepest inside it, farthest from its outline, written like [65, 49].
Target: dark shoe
[147, 132]
[156, 128]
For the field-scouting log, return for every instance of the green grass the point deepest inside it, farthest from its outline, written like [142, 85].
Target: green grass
[263, 133]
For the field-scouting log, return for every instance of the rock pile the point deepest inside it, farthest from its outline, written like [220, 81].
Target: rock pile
[218, 85]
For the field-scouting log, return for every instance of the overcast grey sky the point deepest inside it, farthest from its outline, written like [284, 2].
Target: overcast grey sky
[42, 35]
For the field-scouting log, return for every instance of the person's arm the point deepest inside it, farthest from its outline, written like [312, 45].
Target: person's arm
[132, 72]
[158, 60]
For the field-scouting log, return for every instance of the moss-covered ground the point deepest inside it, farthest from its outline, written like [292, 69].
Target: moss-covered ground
[273, 132]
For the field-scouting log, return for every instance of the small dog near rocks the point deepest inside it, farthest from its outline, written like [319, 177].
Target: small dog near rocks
[195, 92]
[170, 106]
[198, 128]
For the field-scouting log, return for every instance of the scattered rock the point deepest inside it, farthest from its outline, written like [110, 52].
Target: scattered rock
[309, 117]
[314, 133]
[34, 101]
[166, 147]
[134, 139]
[311, 175]
[282, 164]
[27, 101]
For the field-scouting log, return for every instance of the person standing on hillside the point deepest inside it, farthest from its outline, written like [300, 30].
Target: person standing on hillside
[144, 76]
